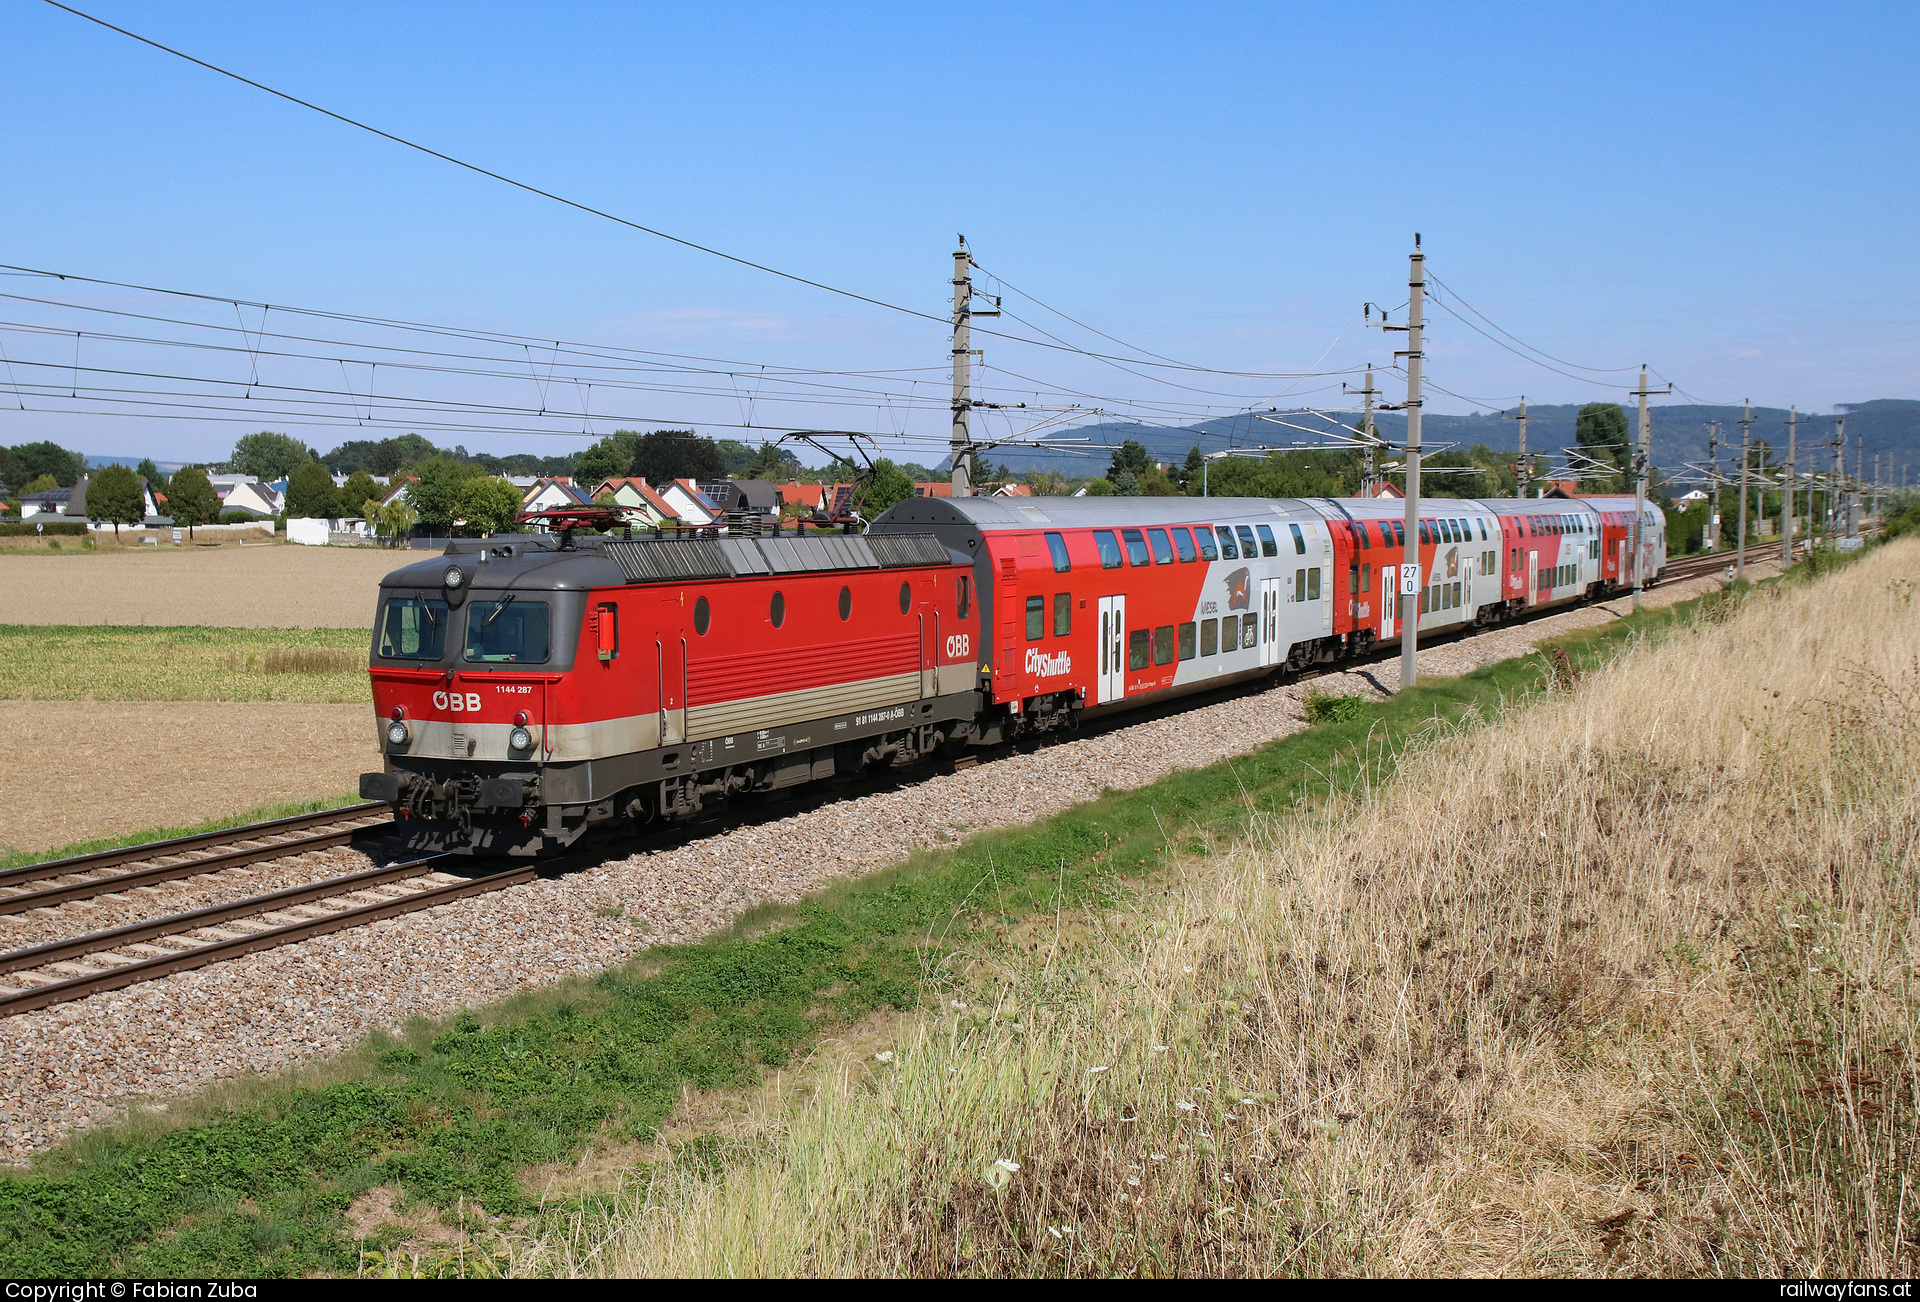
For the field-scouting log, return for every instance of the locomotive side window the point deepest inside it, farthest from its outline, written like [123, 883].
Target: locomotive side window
[777, 610]
[1209, 636]
[703, 617]
[846, 604]
[1062, 614]
[1036, 618]
[1058, 547]
[966, 595]
[1248, 547]
[1136, 547]
[507, 630]
[1162, 549]
[906, 599]
[1186, 640]
[1268, 547]
[1137, 650]
[415, 629]
[1204, 535]
[1228, 552]
[1163, 646]
[1109, 549]
[1183, 544]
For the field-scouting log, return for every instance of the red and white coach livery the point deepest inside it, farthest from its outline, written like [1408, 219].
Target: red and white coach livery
[530, 687]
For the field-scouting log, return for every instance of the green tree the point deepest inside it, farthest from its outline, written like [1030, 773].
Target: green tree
[888, 485]
[669, 454]
[359, 487]
[735, 456]
[486, 504]
[394, 454]
[392, 520]
[32, 460]
[268, 456]
[114, 496]
[151, 473]
[40, 485]
[1157, 483]
[610, 458]
[1192, 469]
[191, 500]
[1600, 430]
[1125, 483]
[1100, 488]
[310, 493]
[437, 481]
[771, 462]
[1130, 457]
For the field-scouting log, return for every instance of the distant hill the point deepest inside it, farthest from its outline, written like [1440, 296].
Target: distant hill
[1889, 425]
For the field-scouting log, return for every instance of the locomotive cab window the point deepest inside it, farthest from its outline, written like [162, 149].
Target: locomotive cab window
[1109, 549]
[507, 631]
[415, 628]
[1183, 544]
[1058, 547]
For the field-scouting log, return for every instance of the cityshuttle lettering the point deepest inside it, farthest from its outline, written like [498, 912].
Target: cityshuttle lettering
[1045, 666]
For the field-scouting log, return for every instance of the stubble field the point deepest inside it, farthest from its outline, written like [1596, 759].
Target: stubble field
[218, 587]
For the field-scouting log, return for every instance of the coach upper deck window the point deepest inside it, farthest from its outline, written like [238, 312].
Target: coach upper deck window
[1228, 552]
[415, 629]
[1268, 547]
[1109, 549]
[1136, 547]
[1183, 544]
[507, 630]
[1248, 547]
[1058, 546]
[1162, 549]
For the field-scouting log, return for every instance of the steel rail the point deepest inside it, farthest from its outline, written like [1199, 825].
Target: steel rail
[166, 965]
[81, 863]
[19, 960]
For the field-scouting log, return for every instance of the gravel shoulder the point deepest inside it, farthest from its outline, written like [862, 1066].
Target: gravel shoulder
[75, 1065]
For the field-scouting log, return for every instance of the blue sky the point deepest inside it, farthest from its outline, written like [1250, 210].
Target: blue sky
[1719, 190]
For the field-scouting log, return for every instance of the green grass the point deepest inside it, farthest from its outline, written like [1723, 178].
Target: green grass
[123, 663]
[254, 1179]
[257, 815]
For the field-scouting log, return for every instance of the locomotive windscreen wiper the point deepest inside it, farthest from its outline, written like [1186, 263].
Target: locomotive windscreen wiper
[504, 603]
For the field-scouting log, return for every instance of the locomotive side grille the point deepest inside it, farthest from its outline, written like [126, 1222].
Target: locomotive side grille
[654, 560]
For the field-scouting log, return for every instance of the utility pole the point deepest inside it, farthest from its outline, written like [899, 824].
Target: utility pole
[1642, 464]
[1713, 461]
[1854, 513]
[1410, 604]
[1746, 429]
[1839, 478]
[1874, 506]
[1786, 497]
[1369, 440]
[1523, 468]
[961, 442]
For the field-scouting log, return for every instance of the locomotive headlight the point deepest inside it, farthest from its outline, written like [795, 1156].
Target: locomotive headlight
[454, 577]
[520, 739]
[397, 733]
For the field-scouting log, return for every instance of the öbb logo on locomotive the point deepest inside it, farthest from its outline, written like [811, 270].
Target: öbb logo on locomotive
[627, 664]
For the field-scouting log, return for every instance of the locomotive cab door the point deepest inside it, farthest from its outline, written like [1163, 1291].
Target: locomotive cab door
[1113, 648]
[1270, 621]
[671, 661]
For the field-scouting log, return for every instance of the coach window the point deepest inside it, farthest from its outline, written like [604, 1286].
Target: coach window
[1136, 547]
[1186, 640]
[846, 603]
[1366, 579]
[1483, 529]
[415, 629]
[1249, 631]
[1228, 552]
[1109, 549]
[777, 610]
[1163, 645]
[1313, 584]
[1183, 544]
[1162, 549]
[966, 596]
[1209, 637]
[702, 616]
[1137, 649]
[1062, 614]
[1399, 533]
[1248, 547]
[1299, 586]
[1036, 618]
[1269, 548]
[1203, 534]
[1425, 535]
[1058, 546]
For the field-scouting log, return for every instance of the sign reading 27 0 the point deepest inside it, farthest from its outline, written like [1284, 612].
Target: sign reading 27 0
[458, 702]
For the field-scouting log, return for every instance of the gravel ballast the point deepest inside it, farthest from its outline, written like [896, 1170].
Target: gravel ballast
[74, 1065]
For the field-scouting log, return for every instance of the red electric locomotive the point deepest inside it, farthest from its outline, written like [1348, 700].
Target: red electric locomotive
[530, 688]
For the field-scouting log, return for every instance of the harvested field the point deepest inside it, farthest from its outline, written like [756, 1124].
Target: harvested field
[221, 587]
[78, 663]
[103, 769]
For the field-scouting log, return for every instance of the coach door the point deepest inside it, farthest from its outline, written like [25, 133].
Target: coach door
[1270, 621]
[1113, 648]
[1533, 577]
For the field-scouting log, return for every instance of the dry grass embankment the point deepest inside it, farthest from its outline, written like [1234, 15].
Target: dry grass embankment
[1619, 984]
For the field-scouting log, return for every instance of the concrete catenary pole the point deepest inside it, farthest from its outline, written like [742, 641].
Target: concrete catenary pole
[961, 441]
[1642, 465]
[1786, 493]
[1740, 556]
[1522, 468]
[1410, 605]
[1713, 463]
